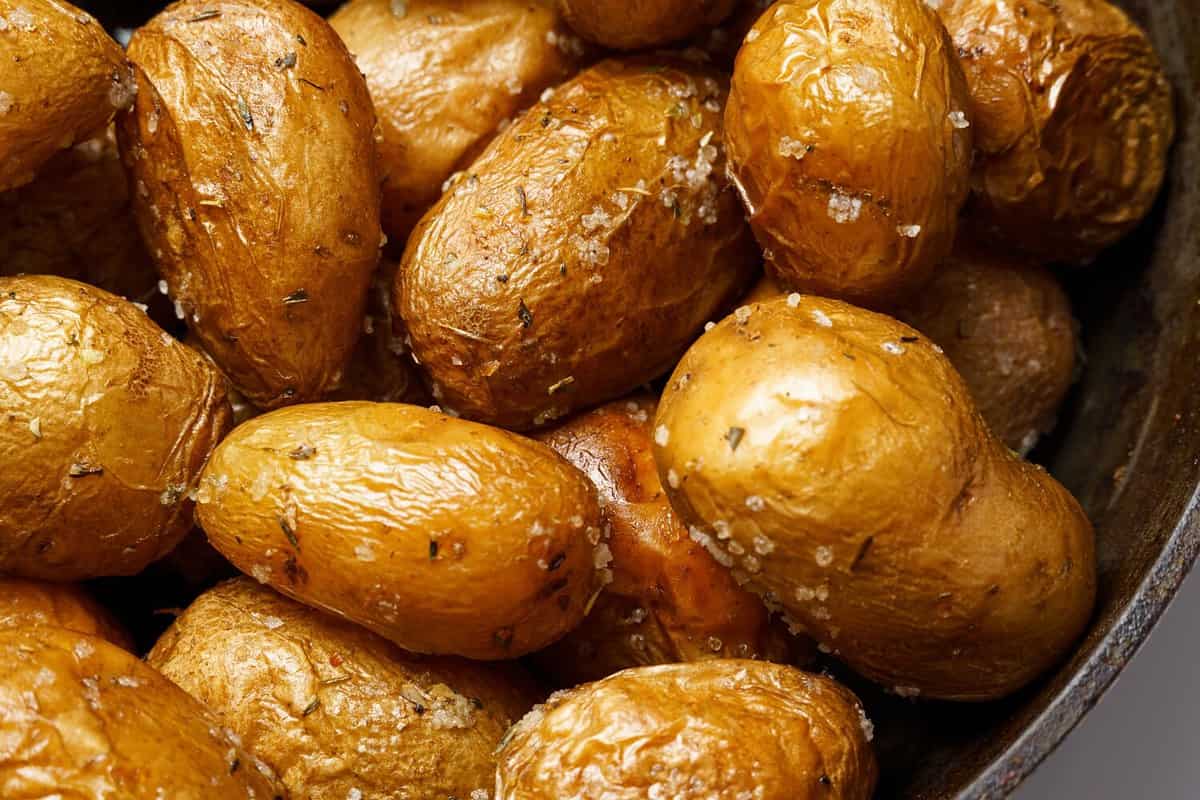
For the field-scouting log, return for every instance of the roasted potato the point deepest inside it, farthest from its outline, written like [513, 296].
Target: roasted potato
[105, 421]
[582, 251]
[715, 729]
[25, 604]
[75, 221]
[669, 600]
[82, 718]
[335, 710]
[252, 151]
[849, 139]
[442, 535]
[842, 449]
[635, 24]
[1073, 119]
[445, 76]
[1006, 326]
[61, 78]
[721, 43]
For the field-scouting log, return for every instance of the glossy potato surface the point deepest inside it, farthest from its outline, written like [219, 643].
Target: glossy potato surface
[25, 603]
[637, 24]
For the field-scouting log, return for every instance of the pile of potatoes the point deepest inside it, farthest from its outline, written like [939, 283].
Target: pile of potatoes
[655, 352]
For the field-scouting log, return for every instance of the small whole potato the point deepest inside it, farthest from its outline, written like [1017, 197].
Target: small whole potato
[1073, 119]
[711, 729]
[637, 24]
[849, 139]
[82, 718]
[583, 250]
[445, 75]
[669, 600]
[442, 535]
[335, 710]
[257, 187]
[105, 422]
[842, 448]
[25, 603]
[720, 44]
[61, 78]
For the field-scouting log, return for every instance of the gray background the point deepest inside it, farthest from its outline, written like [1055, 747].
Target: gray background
[1141, 741]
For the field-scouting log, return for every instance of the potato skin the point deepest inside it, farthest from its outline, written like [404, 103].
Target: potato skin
[84, 719]
[333, 707]
[444, 77]
[26, 603]
[252, 151]
[722, 729]
[442, 535]
[977, 582]
[669, 600]
[1073, 120]
[850, 142]
[106, 422]
[637, 24]
[548, 279]
[63, 78]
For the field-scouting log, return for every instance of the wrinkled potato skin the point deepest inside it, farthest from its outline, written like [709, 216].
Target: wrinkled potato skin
[444, 77]
[82, 718]
[717, 730]
[62, 78]
[1073, 120]
[638, 24]
[25, 603]
[980, 579]
[869, 87]
[332, 707]
[1006, 326]
[115, 400]
[387, 486]
[261, 200]
[692, 608]
[505, 298]
[75, 221]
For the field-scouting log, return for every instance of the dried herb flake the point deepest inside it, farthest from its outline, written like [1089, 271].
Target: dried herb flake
[525, 315]
[734, 436]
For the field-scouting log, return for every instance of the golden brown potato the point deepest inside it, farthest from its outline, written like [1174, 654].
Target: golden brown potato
[25, 603]
[583, 250]
[82, 718]
[445, 75]
[442, 535]
[335, 710]
[252, 151]
[636, 24]
[669, 600]
[1073, 119]
[61, 79]
[715, 729]
[75, 221]
[850, 141]
[105, 421]
[842, 449]
[1006, 326]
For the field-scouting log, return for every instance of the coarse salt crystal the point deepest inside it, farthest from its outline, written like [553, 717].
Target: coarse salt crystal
[662, 435]
[909, 231]
[895, 348]
[742, 315]
[272, 623]
[959, 120]
[6, 100]
[399, 8]
[793, 300]
[755, 503]
[792, 148]
[823, 556]
[821, 318]
[763, 545]
[843, 208]
[708, 326]
[672, 478]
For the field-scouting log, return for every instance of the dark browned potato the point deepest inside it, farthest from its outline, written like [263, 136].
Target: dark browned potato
[61, 79]
[25, 603]
[83, 719]
[1073, 119]
[257, 187]
[637, 24]
[441, 535]
[893, 526]
[582, 252]
[722, 42]
[723, 729]
[335, 710]
[445, 76]
[74, 220]
[669, 599]
[105, 422]
[849, 138]
[1006, 326]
